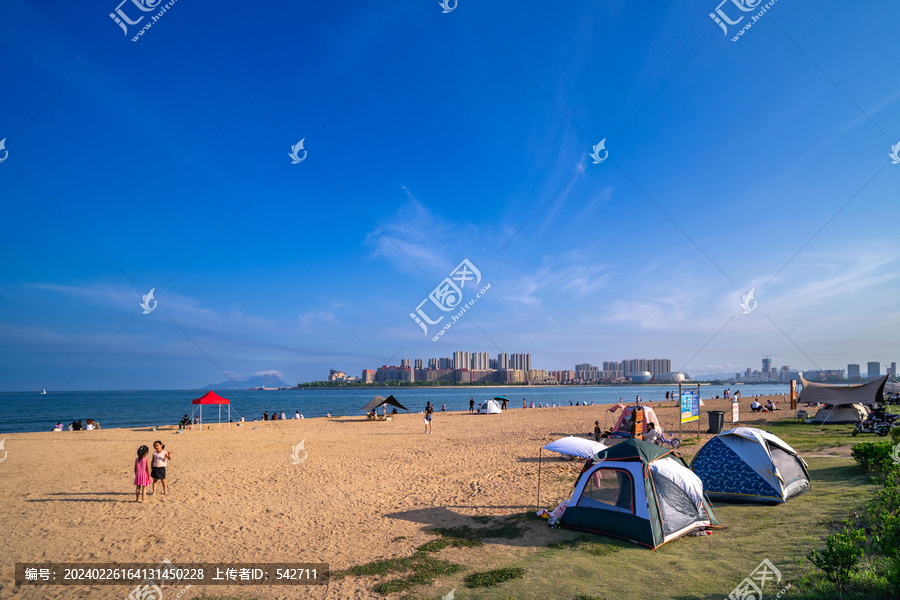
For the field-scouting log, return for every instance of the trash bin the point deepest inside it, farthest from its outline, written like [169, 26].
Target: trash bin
[716, 420]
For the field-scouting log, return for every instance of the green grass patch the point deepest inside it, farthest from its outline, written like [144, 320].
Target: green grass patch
[806, 437]
[422, 568]
[493, 577]
[593, 545]
[580, 565]
[507, 529]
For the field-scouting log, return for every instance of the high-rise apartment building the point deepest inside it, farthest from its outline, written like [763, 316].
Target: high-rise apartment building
[852, 371]
[420, 364]
[587, 372]
[480, 361]
[766, 365]
[405, 362]
[520, 362]
[461, 360]
[874, 369]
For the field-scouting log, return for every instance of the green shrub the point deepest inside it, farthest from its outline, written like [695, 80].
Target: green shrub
[875, 457]
[888, 540]
[840, 558]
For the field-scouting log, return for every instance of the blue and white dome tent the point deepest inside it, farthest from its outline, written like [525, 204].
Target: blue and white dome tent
[748, 464]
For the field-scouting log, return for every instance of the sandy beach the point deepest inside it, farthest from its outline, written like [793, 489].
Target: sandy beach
[236, 495]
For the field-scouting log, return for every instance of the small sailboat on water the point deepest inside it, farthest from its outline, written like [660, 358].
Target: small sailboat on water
[43, 391]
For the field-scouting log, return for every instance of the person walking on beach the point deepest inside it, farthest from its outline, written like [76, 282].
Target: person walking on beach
[141, 473]
[429, 411]
[158, 466]
[444, 407]
[471, 405]
[523, 403]
[597, 431]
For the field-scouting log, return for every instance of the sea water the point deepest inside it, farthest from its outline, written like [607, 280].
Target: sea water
[33, 411]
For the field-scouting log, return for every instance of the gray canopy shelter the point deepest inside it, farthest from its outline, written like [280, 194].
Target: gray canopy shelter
[892, 387]
[843, 403]
[380, 400]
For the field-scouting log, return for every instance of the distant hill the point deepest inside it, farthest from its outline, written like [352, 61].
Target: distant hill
[272, 381]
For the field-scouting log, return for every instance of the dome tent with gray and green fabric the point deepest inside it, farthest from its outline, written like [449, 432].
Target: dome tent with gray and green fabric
[639, 492]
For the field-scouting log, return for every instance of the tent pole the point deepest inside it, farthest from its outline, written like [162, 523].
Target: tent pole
[540, 456]
[698, 412]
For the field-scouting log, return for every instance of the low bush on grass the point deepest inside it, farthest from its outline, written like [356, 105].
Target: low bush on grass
[840, 558]
[493, 577]
[875, 457]
[869, 567]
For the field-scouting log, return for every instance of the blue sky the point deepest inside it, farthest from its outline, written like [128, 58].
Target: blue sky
[433, 138]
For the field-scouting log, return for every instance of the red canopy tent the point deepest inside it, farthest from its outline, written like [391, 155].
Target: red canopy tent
[211, 397]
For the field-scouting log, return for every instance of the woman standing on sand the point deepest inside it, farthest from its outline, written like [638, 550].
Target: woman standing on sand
[158, 468]
[429, 412]
[141, 473]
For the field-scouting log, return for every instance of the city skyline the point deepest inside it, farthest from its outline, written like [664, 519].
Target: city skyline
[416, 369]
[185, 207]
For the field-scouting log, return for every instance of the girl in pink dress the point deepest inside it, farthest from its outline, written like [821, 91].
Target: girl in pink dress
[141, 473]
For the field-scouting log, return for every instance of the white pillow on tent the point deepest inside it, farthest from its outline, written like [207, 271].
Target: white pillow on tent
[575, 446]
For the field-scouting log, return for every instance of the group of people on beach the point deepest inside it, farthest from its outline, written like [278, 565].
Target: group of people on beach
[78, 425]
[275, 417]
[150, 469]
